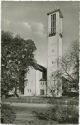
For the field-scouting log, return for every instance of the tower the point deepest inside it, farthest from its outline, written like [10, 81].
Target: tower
[54, 85]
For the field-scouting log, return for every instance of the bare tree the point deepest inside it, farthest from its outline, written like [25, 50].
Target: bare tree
[69, 70]
[55, 84]
[70, 65]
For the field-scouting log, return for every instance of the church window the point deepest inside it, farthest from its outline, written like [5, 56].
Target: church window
[41, 92]
[53, 24]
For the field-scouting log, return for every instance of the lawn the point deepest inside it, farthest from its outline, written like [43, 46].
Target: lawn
[29, 113]
[26, 116]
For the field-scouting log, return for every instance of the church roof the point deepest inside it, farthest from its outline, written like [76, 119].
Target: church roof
[40, 67]
[56, 10]
[42, 79]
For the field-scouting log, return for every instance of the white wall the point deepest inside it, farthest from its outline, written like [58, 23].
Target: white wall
[38, 77]
[30, 84]
[33, 83]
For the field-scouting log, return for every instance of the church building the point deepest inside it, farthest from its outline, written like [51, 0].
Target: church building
[38, 80]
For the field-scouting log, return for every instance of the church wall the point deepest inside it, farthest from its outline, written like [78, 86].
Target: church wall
[38, 77]
[30, 78]
[53, 46]
[32, 83]
[54, 50]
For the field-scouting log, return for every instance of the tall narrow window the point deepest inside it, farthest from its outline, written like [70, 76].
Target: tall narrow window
[53, 24]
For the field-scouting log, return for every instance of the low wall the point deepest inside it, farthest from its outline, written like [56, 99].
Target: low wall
[50, 100]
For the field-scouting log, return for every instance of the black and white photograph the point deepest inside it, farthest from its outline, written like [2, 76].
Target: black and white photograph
[40, 62]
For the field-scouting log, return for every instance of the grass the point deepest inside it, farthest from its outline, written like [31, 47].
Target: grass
[26, 116]
[38, 115]
[41, 115]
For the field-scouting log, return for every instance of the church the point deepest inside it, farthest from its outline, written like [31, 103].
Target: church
[38, 80]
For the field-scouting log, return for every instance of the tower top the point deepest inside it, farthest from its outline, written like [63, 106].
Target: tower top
[56, 10]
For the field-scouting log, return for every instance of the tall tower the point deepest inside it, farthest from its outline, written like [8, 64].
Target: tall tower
[54, 86]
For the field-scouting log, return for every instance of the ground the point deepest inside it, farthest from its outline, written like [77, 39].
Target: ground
[25, 114]
[25, 108]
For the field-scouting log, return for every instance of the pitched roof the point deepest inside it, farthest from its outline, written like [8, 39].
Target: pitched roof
[40, 67]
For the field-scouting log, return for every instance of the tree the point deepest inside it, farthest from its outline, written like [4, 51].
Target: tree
[17, 56]
[70, 65]
[55, 84]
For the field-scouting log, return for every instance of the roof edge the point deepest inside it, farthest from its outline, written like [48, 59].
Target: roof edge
[39, 67]
[56, 10]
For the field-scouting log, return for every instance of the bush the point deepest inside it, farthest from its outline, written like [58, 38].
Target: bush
[7, 114]
[60, 113]
[65, 114]
[51, 113]
[73, 114]
[41, 115]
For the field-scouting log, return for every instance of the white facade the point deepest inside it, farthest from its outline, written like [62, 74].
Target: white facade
[30, 82]
[38, 77]
[54, 51]
[33, 85]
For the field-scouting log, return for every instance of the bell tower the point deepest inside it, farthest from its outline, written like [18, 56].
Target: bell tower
[54, 51]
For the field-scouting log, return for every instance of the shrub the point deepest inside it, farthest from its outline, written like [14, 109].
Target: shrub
[73, 114]
[66, 114]
[7, 114]
[51, 113]
[61, 114]
[40, 115]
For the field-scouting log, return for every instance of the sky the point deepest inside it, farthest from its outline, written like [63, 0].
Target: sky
[30, 21]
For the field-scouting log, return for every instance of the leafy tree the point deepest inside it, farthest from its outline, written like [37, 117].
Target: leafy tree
[17, 56]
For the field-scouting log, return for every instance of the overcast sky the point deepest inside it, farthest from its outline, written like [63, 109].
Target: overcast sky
[29, 20]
